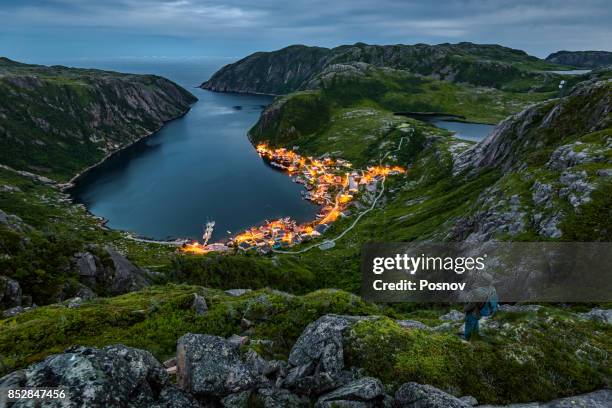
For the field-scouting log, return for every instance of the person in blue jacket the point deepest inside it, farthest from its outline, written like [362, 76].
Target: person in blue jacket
[483, 303]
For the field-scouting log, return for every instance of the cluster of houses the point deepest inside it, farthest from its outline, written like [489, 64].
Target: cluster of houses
[330, 183]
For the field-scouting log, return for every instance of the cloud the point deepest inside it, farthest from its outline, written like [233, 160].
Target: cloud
[538, 27]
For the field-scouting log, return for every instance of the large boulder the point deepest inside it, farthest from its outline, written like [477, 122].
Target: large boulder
[365, 392]
[413, 395]
[317, 357]
[209, 367]
[122, 277]
[10, 293]
[321, 343]
[114, 376]
[127, 277]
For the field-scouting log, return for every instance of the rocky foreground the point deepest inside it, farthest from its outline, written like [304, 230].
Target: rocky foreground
[213, 371]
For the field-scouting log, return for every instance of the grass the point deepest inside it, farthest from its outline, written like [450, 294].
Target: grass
[155, 318]
[531, 357]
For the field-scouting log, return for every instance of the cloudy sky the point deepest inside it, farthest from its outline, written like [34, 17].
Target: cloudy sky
[42, 29]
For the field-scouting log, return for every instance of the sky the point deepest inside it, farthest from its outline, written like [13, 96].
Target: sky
[34, 30]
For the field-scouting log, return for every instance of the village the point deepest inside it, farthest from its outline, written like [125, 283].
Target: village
[330, 183]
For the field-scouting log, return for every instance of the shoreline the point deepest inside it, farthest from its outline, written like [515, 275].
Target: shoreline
[70, 184]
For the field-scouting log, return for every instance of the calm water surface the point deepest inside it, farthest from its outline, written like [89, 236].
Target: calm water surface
[464, 130]
[199, 167]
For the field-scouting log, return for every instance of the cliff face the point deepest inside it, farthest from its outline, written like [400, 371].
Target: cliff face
[56, 120]
[555, 163]
[586, 110]
[291, 68]
[581, 59]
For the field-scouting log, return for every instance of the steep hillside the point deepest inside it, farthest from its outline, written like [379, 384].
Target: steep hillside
[292, 68]
[56, 121]
[318, 117]
[581, 59]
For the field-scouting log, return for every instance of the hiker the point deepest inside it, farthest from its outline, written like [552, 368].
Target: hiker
[483, 302]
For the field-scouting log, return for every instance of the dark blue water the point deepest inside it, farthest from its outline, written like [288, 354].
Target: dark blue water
[197, 168]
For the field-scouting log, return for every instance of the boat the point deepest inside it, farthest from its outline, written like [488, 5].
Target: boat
[210, 225]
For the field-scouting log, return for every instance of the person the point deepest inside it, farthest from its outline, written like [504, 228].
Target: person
[483, 304]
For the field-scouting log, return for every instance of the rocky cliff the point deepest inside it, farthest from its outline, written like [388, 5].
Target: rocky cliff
[555, 163]
[581, 59]
[291, 68]
[55, 121]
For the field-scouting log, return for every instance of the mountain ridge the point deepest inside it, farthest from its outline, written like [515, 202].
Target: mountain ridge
[582, 59]
[290, 68]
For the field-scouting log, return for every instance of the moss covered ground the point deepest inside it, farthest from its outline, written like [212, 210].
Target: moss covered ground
[522, 357]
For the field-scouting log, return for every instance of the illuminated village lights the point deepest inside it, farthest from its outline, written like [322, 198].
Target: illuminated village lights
[328, 184]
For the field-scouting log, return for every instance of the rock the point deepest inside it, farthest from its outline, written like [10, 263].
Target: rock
[237, 292]
[541, 193]
[279, 398]
[172, 397]
[444, 327]
[296, 373]
[237, 400]
[10, 293]
[317, 357]
[469, 400]
[170, 362]
[604, 172]
[319, 382]
[549, 226]
[276, 367]
[313, 343]
[13, 311]
[413, 395]
[113, 376]
[453, 316]
[571, 155]
[256, 363]
[85, 293]
[209, 366]
[412, 324]
[519, 308]
[236, 341]
[75, 302]
[199, 305]
[126, 277]
[578, 190]
[86, 265]
[367, 392]
[595, 399]
[601, 315]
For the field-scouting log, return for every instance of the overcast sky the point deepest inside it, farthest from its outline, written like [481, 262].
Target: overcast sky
[43, 29]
